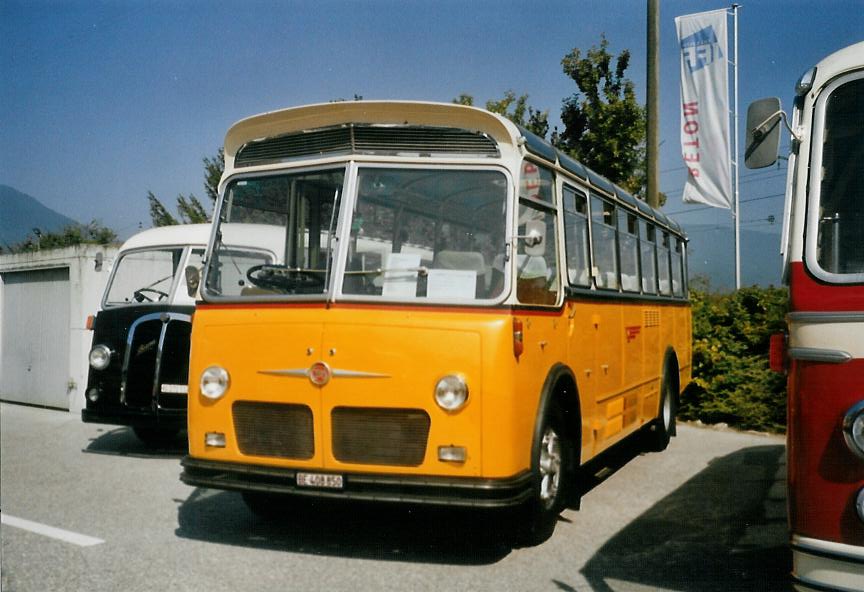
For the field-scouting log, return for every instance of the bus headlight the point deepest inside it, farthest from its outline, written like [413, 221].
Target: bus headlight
[451, 392]
[859, 504]
[214, 382]
[100, 357]
[853, 429]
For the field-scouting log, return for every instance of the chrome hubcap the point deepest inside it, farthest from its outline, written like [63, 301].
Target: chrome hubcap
[667, 410]
[550, 466]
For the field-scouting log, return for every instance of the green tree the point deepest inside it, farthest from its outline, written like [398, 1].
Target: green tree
[74, 234]
[516, 109]
[190, 209]
[159, 215]
[604, 124]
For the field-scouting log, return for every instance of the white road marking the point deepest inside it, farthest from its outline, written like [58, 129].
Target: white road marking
[82, 540]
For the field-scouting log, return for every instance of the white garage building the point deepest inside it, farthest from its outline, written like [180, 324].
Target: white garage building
[45, 298]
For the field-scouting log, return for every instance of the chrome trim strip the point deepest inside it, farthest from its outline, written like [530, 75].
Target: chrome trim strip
[825, 317]
[815, 354]
[828, 548]
[356, 374]
[165, 317]
[304, 372]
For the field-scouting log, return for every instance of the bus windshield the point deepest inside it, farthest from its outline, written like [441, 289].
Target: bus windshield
[143, 277]
[428, 234]
[841, 213]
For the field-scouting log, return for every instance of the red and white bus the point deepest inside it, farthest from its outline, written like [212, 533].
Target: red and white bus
[823, 353]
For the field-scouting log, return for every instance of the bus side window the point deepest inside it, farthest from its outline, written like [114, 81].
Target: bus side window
[605, 244]
[677, 254]
[663, 264]
[576, 237]
[536, 274]
[628, 244]
[647, 236]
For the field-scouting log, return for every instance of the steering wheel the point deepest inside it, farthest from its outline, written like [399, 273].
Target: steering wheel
[284, 278]
[141, 297]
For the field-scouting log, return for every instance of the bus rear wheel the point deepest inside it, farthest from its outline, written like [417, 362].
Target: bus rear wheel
[663, 427]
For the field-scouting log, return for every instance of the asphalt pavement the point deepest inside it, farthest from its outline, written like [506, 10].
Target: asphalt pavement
[87, 507]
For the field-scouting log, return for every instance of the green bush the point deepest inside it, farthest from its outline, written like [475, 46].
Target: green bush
[732, 382]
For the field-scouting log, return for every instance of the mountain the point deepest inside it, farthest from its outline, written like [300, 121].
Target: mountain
[21, 213]
[711, 255]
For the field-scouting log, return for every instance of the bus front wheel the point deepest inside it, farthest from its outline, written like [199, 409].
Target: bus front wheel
[551, 460]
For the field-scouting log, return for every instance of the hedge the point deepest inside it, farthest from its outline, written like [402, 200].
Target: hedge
[732, 382]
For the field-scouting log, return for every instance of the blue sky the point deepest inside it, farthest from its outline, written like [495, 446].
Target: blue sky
[105, 101]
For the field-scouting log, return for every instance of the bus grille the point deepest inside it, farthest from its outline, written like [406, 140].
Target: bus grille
[380, 436]
[274, 429]
[368, 139]
[141, 361]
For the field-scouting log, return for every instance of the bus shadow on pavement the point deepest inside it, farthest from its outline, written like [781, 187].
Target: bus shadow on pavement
[350, 529]
[723, 530]
[122, 441]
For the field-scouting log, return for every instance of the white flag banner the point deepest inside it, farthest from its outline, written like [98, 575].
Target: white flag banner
[705, 108]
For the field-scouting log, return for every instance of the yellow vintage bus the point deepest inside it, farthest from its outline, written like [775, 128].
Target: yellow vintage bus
[459, 314]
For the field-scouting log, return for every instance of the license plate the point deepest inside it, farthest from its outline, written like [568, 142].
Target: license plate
[177, 389]
[319, 480]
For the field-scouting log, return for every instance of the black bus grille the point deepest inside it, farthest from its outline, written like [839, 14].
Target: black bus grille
[368, 139]
[380, 436]
[147, 367]
[274, 429]
[141, 365]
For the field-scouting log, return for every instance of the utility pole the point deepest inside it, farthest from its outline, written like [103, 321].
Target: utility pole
[652, 142]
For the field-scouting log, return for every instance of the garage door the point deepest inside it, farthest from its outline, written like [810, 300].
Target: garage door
[34, 357]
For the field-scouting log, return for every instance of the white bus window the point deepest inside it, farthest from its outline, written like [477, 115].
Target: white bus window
[677, 256]
[840, 248]
[605, 245]
[144, 277]
[663, 264]
[647, 236]
[434, 234]
[576, 234]
[536, 266]
[628, 243]
[536, 182]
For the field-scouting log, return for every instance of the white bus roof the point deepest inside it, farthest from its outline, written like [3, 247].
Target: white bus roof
[296, 119]
[848, 58]
[259, 236]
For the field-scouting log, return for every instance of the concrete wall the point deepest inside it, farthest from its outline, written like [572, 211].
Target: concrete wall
[87, 279]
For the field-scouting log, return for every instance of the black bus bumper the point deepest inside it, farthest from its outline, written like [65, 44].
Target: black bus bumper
[409, 489]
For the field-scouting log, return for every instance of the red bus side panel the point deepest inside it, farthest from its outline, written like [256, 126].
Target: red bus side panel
[824, 475]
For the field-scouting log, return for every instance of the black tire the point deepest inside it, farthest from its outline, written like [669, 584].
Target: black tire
[156, 437]
[661, 430]
[552, 460]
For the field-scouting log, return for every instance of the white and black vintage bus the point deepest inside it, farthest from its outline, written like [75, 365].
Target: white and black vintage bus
[139, 360]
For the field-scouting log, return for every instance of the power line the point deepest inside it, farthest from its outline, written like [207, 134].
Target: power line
[699, 209]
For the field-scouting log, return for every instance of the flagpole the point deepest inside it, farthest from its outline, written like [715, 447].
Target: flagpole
[737, 212]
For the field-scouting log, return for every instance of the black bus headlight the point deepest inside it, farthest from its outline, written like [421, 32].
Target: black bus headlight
[853, 429]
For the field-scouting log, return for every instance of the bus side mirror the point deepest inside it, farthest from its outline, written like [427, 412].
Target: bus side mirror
[534, 237]
[763, 133]
[193, 280]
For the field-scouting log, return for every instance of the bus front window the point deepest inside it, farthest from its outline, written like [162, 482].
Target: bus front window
[841, 212]
[430, 234]
[143, 277]
[292, 215]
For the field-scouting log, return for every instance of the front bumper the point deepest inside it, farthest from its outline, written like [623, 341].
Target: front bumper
[440, 491]
[824, 565]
